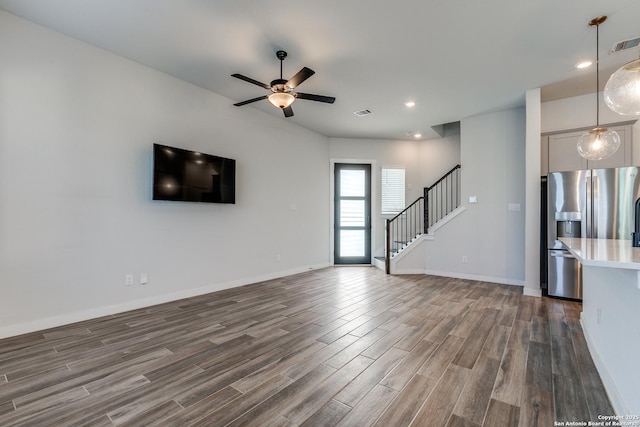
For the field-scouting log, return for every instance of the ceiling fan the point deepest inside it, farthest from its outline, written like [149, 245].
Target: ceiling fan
[282, 95]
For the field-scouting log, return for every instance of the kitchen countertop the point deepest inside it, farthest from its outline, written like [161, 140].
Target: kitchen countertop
[604, 252]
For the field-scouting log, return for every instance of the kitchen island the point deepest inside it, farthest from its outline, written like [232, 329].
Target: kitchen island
[611, 315]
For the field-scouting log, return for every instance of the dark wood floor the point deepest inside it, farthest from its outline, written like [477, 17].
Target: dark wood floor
[340, 346]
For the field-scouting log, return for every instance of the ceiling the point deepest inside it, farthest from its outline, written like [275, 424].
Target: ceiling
[454, 58]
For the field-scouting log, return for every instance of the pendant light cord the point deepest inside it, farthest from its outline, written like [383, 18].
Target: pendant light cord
[598, 143]
[597, 75]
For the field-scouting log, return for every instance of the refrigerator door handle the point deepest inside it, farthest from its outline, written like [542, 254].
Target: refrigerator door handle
[595, 187]
[587, 226]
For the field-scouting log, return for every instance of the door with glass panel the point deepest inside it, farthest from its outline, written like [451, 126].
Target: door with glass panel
[352, 242]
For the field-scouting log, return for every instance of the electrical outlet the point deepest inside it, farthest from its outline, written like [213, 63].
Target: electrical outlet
[144, 278]
[465, 259]
[278, 257]
[128, 280]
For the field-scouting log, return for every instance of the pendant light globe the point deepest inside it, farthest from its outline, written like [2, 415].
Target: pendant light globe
[622, 91]
[598, 143]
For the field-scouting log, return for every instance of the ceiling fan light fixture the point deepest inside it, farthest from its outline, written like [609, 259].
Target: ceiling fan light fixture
[281, 99]
[622, 91]
[281, 95]
[598, 143]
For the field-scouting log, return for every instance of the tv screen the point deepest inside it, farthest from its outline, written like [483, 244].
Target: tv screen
[189, 176]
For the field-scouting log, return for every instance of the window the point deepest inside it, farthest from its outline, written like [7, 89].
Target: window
[392, 190]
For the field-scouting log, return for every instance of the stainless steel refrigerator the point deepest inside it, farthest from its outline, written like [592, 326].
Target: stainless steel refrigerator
[596, 203]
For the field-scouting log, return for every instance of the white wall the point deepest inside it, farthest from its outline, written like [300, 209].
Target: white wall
[579, 112]
[76, 130]
[424, 163]
[487, 234]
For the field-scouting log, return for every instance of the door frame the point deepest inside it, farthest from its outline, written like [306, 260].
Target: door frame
[375, 216]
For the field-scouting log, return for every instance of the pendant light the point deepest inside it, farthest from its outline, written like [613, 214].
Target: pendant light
[622, 91]
[599, 142]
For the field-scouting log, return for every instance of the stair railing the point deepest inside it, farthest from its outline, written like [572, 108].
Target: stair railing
[402, 229]
[442, 197]
[439, 200]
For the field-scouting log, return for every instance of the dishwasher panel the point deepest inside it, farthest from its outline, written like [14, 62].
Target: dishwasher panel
[565, 275]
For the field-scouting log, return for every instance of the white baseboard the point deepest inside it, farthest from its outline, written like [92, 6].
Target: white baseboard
[409, 271]
[380, 264]
[93, 313]
[607, 380]
[501, 280]
[532, 292]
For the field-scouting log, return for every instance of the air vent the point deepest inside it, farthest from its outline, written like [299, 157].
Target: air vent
[362, 113]
[625, 44]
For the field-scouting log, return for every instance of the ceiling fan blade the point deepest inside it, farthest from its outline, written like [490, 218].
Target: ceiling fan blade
[250, 80]
[249, 101]
[312, 97]
[302, 75]
[288, 112]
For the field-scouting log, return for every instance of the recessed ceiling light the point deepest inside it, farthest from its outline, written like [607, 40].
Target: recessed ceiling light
[417, 135]
[410, 104]
[584, 64]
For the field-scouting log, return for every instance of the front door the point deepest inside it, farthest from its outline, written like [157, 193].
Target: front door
[352, 242]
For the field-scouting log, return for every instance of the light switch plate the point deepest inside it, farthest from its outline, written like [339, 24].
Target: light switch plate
[473, 199]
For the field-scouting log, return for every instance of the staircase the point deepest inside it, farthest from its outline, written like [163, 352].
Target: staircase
[438, 201]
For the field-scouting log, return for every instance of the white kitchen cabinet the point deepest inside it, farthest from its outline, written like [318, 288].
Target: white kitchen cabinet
[563, 154]
[559, 151]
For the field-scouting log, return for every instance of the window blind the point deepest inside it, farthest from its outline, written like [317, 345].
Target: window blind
[392, 190]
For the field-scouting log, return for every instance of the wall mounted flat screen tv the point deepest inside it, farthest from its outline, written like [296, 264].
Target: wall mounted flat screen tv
[189, 176]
